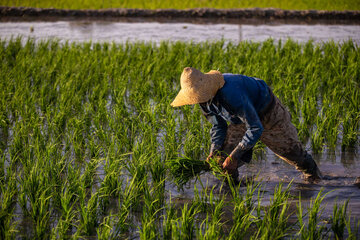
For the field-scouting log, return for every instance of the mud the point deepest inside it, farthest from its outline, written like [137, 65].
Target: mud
[209, 15]
[357, 182]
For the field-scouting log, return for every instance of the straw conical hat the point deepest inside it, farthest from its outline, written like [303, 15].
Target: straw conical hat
[197, 87]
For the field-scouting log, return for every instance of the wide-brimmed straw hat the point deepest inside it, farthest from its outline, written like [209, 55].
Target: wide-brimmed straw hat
[197, 87]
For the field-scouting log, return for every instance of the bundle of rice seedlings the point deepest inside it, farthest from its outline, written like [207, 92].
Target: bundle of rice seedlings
[183, 169]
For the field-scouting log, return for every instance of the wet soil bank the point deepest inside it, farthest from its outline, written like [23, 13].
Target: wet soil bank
[208, 15]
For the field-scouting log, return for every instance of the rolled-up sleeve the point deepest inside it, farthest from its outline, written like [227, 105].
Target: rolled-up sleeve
[218, 129]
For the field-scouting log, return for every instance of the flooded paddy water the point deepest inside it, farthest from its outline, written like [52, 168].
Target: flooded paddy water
[340, 167]
[120, 32]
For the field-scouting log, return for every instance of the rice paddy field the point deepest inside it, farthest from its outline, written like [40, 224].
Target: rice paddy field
[153, 4]
[90, 147]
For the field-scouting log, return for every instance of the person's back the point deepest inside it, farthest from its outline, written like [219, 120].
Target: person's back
[240, 91]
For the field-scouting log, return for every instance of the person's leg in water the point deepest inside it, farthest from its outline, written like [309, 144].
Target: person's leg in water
[280, 136]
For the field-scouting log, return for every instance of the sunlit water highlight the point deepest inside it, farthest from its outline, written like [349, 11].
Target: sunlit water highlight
[119, 32]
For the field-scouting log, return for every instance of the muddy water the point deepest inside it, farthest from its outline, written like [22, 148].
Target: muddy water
[340, 170]
[101, 31]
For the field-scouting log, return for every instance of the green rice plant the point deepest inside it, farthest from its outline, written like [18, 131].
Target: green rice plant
[35, 199]
[251, 188]
[89, 175]
[244, 208]
[77, 139]
[168, 219]
[122, 223]
[95, 150]
[353, 233]
[206, 199]
[148, 229]
[4, 129]
[67, 218]
[351, 123]
[110, 187]
[41, 213]
[338, 220]
[2, 168]
[104, 231]
[57, 166]
[138, 182]
[90, 4]
[88, 214]
[7, 205]
[185, 228]
[212, 226]
[313, 229]
[317, 138]
[242, 221]
[332, 127]
[248, 200]
[150, 216]
[184, 168]
[158, 175]
[72, 183]
[128, 202]
[274, 223]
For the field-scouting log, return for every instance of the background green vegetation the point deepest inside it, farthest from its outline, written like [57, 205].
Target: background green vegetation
[88, 136]
[153, 4]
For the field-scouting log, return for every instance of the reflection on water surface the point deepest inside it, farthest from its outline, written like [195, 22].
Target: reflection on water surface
[100, 31]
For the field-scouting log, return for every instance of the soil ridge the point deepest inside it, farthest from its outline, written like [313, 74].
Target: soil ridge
[264, 14]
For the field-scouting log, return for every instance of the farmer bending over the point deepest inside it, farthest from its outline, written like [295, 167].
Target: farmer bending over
[253, 112]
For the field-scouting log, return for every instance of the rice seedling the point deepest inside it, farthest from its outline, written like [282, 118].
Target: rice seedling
[353, 233]
[338, 220]
[243, 219]
[105, 229]
[110, 187]
[150, 216]
[185, 228]
[212, 226]
[274, 223]
[88, 214]
[128, 201]
[7, 205]
[68, 215]
[313, 229]
[182, 169]
[90, 146]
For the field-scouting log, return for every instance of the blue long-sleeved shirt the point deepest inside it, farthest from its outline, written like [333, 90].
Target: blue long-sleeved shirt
[240, 100]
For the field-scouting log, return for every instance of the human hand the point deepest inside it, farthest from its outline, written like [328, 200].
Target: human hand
[229, 164]
[211, 155]
[214, 154]
[218, 156]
